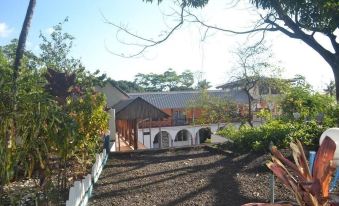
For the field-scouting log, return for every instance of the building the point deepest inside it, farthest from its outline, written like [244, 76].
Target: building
[264, 93]
[179, 104]
[158, 119]
[167, 119]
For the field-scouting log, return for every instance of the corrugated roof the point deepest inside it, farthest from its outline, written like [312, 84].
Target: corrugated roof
[182, 99]
[241, 82]
[137, 108]
[122, 104]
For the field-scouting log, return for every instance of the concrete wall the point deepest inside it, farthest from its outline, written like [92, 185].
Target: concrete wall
[111, 125]
[147, 140]
[113, 95]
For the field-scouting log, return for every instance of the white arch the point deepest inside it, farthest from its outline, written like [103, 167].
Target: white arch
[183, 143]
[162, 143]
[147, 140]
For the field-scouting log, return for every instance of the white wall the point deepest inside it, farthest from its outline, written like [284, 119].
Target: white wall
[193, 130]
[113, 95]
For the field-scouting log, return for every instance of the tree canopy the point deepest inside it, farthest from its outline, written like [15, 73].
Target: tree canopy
[254, 69]
[167, 81]
[126, 86]
[298, 19]
[58, 113]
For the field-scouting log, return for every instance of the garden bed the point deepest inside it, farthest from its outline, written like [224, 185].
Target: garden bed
[187, 176]
[28, 192]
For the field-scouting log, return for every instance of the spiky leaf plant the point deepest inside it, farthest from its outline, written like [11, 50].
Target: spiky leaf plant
[310, 189]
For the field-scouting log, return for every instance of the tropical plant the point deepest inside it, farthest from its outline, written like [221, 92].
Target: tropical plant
[59, 118]
[279, 132]
[302, 100]
[213, 109]
[309, 188]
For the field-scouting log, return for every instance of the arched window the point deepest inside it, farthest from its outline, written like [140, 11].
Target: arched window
[157, 136]
[182, 135]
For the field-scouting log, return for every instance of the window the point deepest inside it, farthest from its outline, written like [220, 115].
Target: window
[182, 135]
[158, 136]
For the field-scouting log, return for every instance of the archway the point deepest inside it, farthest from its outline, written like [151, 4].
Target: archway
[161, 140]
[182, 138]
[202, 135]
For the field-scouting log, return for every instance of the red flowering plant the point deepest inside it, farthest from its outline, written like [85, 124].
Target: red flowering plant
[309, 189]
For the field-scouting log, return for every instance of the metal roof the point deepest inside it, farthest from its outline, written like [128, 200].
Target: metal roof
[137, 108]
[182, 99]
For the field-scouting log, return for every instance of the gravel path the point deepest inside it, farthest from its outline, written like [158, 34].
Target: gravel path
[185, 176]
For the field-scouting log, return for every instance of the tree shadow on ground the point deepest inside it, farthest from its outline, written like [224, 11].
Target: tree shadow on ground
[201, 176]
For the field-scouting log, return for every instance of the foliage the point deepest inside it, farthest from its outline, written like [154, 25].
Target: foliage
[314, 15]
[59, 119]
[309, 189]
[300, 19]
[203, 85]
[55, 49]
[126, 86]
[192, 3]
[330, 88]
[254, 69]
[317, 113]
[301, 99]
[30, 60]
[265, 114]
[168, 81]
[214, 109]
[280, 133]
[88, 111]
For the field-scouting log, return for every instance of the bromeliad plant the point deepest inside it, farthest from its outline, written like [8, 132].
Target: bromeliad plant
[310, 189]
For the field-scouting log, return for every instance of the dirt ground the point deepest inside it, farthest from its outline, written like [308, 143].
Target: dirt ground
[187, 176]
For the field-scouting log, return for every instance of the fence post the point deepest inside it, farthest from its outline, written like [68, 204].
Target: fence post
[81, 191]
[77, 191]
[71, 196]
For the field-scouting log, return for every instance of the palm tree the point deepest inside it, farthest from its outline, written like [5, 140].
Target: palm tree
[18, 56]
[330, 89]
[204, 84]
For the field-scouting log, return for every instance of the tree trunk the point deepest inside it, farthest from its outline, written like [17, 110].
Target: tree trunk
[335, 68]
[18, 56]
[249, 115]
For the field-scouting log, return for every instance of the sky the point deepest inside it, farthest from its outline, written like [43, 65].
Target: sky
[184, 50]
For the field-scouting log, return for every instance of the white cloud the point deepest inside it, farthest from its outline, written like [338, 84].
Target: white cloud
[5, 31]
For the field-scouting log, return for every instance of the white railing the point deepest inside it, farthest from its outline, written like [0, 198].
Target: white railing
[82, 190]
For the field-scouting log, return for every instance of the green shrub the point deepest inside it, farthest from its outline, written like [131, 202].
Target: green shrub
[281, 133]
[307, 132]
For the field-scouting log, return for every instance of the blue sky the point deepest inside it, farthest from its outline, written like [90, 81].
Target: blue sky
[182, 51]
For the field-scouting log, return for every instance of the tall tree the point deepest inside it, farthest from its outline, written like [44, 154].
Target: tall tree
[213, 109]
[203, 84]
[18, 56]
[56, 54]
[253, 72]
[330, 89]
[186, 79]
[303, 19]
[22, 38]
[56, 47]
[168, 81]
[299, 19]
[126, 86]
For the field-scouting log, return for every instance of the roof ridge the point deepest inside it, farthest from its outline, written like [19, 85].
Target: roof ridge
[175, 92]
